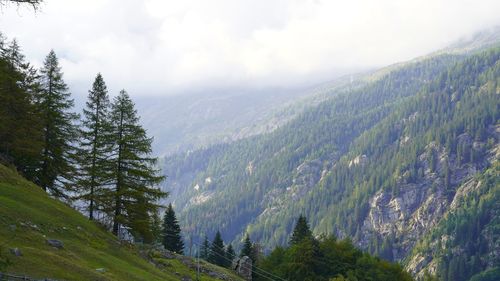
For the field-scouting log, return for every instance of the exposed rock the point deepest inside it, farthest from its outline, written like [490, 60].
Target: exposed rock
[243, 266]
[16, 252]
[413, 208]
[101, 270]
[359, 160]
[250, 168]
[201, 198]
[55, 243]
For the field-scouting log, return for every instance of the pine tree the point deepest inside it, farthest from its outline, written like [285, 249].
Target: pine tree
[20, 127]
[301, 231]
[217, 253]
[135, 194]
[156, 228]
[230, 255]
[172, 239]
[247, 249]
[95, 148]
[205, 249]
[56, 171]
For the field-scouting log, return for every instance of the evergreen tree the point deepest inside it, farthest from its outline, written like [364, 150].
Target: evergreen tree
[247, 249]
[230, 255]
[95, 147]
[301, 231]
[20, 127]
[135, 175]
[217, 253]
[156, 228]
[205, 249]
[56, 171]
[171, 232]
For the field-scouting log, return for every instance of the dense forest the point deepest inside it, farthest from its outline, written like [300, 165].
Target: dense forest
[428, 125]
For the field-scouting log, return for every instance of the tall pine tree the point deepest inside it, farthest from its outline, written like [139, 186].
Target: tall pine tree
[247, 249]
[135, 175]
[205, 249]
[95, 148]
[217, 253]
[20, 127]
[172, 239]
[230, 255]
[301, 231]
[56, 172]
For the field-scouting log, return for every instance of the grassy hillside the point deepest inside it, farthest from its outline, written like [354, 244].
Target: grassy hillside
[28, 217]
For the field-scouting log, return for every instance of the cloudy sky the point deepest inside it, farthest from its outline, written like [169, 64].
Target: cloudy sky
[172, 46]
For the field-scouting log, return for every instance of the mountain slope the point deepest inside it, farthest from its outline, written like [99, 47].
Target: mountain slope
[467, 240]
[29, 217]
[373, 164]
[245, 178]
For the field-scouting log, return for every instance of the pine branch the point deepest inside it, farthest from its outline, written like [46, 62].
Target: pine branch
[34, 3]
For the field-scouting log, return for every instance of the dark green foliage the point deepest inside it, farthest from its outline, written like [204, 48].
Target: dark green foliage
[135, 177]
[492, 274]
[56, 172]
[230, 255]
[301, 231]
[205, 249]
[171, 232]
[247, 249]
[95, 167]
[328, 258]
[156, 228]
[20, 127]
[217, 254]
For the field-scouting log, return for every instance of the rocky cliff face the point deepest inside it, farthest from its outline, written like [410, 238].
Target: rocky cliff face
[406, 215]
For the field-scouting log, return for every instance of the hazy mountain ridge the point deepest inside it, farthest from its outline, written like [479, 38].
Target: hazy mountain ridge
[273, 195]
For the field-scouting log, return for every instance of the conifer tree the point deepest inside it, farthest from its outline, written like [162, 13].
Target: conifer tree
[172, 239]
[205, 249]
[230, 255]
[95, 147]
[247, 249]
[56, 171]
[156, 228]
[217, 253]
[20, 128]
[135, 176]
[301, 231]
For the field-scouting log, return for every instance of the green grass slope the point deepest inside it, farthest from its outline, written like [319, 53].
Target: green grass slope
[28, 217]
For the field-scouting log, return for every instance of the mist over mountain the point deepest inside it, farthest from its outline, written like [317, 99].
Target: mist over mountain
[385, 163]
[250, 140]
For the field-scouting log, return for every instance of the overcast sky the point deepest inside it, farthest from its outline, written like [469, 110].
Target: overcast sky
[171, 46]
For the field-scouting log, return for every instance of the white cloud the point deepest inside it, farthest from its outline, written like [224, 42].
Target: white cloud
[162, 46]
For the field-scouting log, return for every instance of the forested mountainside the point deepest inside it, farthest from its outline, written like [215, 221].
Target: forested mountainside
[466, 240]
[381, 164]
[194, 120]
